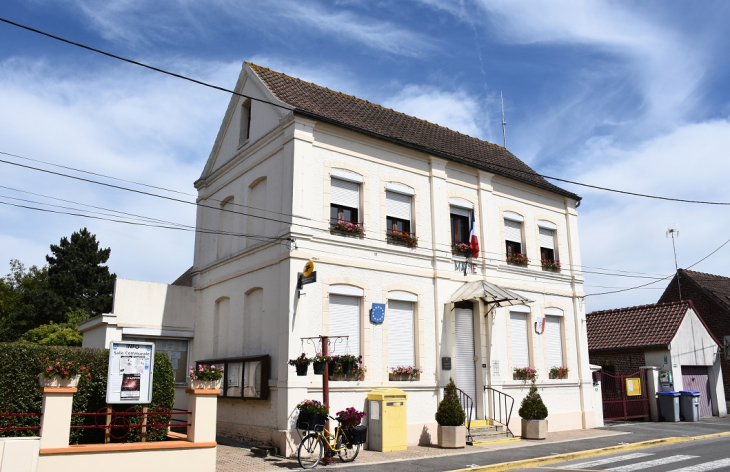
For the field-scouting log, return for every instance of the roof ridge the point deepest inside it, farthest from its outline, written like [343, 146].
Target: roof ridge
[689, 272]
[256, 66]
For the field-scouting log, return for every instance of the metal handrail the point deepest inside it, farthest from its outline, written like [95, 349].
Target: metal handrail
[502, 400]
[467, 404]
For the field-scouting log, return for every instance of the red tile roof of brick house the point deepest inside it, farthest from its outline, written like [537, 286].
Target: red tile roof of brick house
[716, 286]
[637, 327]
[350, 112]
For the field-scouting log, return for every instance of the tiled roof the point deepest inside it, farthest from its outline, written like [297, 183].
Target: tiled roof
[716, 285]
[186, 279]
[360, 115]
[635, 327]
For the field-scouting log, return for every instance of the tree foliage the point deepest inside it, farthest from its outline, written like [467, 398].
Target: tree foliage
[532, 407]
[76, 273]
[450, 412]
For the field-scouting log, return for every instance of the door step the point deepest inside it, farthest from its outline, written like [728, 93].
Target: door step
[486, 432]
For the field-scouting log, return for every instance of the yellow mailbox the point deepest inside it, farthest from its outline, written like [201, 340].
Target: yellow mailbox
[387, 420]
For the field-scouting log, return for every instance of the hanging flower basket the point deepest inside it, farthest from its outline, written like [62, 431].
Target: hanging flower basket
[301, 363]
[302, 369]
[332, 366]
[318, 368]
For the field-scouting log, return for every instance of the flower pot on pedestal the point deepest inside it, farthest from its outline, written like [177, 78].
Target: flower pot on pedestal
[204, 384]
[57, 381]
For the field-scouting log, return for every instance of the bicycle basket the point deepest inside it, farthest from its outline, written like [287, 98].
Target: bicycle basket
[311, 421]
[358, 434]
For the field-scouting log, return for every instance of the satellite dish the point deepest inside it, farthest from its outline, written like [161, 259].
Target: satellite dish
[672, 231]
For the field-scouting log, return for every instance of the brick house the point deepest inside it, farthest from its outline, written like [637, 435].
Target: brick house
[672, 337]
[711, 295]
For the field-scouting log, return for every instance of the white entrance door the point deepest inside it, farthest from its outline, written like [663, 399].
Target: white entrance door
[465, 364]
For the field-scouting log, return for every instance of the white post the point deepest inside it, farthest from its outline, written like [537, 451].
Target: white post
[652, 382]
[56, 418]
[203, 404]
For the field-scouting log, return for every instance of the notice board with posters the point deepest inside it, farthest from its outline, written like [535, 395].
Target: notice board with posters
[129, 379]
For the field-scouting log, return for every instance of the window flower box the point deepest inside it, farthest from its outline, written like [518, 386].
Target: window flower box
[550, 265]
[558, 372]
[349, 228]
[404, 374]
[402, 238]
[461, 249]
[518, 259]
[524, 373]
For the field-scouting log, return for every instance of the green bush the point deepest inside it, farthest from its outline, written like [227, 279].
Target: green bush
[19, 392]
[532, 407]
[450, 412]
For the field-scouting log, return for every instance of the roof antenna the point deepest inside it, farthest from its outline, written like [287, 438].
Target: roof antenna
[504, 123]
[671, 231]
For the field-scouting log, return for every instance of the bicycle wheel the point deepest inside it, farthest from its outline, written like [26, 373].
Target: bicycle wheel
[310, 451]
[349, 453]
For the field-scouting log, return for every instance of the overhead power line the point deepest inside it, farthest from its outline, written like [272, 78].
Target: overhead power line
[290, 108]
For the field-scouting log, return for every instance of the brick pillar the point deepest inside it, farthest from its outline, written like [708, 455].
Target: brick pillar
[56, 419]
[203, 404]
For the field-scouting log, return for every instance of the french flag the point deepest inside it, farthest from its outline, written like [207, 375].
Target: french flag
[473, 240]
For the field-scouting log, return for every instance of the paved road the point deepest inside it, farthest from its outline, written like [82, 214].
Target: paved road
[637, 432]
[693, 456]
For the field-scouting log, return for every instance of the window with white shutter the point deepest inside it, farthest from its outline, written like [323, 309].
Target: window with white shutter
[398, 212]
[401, 334]
[344, 201]
[547, 244]
[344, 320]
[513, 237]
[518, 340]
[554, 341]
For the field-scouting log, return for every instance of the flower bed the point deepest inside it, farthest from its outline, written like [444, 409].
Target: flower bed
[518, 259]
[402, 238]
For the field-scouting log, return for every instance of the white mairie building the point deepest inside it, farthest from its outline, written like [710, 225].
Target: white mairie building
[292, 165]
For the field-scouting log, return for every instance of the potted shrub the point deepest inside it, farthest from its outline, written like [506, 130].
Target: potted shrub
[558, 372]
[450, 416]
[526, 374]
[301, 363]
[205, 377]
[404, 373]
[312, 413]
[60, 373]
[533, 413]
[350, 417]
[319, 363]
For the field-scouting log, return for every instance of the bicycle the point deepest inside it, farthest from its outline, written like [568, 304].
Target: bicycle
[317, 443]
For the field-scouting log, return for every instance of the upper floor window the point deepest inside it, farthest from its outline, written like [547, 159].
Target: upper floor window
[345, 202]
[398, 211]
[513, 239]
[245, 122]
[548, 254]
[460, 224]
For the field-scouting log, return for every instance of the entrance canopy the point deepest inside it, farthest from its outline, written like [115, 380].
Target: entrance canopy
[488, 293]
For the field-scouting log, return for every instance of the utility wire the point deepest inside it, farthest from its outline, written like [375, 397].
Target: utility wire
[290, 108]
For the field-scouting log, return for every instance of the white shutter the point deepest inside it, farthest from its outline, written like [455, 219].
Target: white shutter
[518, 340]
[547, 238]
[513, 231]
[345, 193]
[465, 366]
[554, 341]
[344, 320]
[460, 211]
[401, 345]
[398, 205]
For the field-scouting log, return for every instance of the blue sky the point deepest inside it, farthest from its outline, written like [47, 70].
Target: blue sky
[626, 95]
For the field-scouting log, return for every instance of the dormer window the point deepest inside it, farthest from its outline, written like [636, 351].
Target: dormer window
[245, 122]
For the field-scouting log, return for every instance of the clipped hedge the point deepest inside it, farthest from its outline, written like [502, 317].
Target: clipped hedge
[19, 392]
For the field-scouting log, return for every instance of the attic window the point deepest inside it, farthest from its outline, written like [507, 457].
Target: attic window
[245, 123]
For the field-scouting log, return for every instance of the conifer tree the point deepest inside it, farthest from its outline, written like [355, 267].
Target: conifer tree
[450, 412]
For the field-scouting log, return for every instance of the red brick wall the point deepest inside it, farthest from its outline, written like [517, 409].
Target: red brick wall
[716, 318]
[619, 363]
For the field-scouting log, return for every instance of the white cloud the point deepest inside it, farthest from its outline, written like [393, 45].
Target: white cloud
[116, 121]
